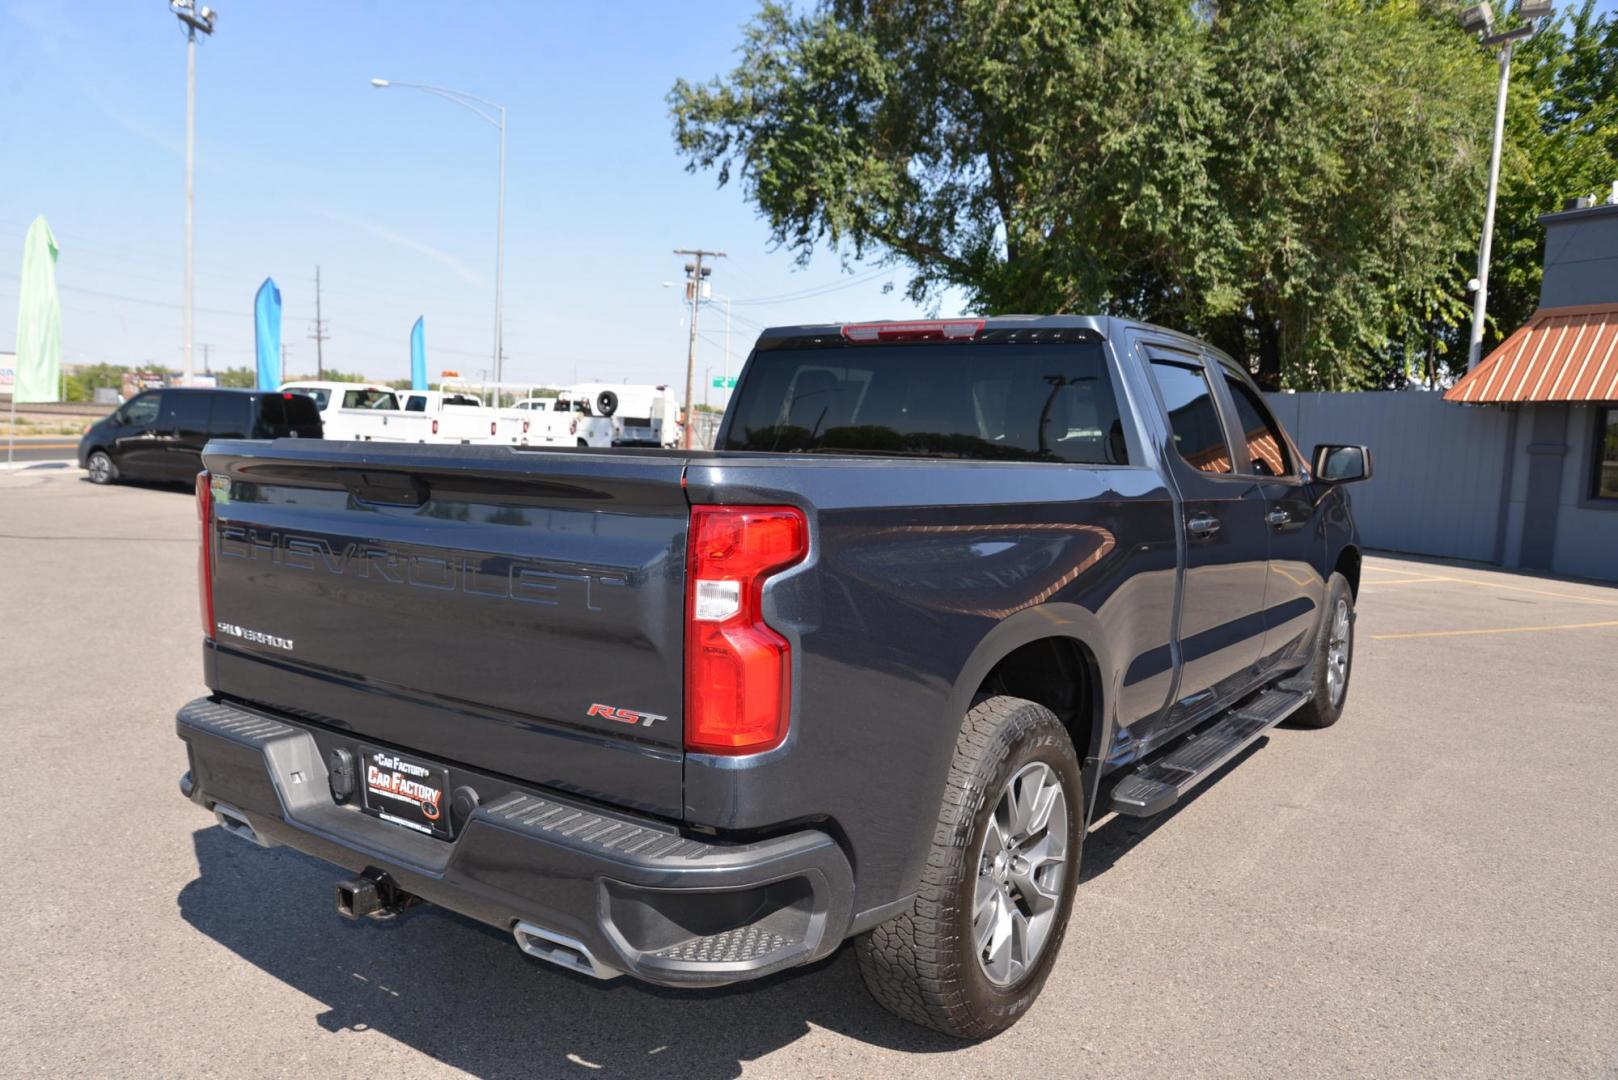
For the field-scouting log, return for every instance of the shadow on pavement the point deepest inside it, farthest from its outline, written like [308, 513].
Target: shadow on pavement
[1117, 836]
[463, 993]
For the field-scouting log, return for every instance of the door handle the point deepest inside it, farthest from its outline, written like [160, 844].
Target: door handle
[1203, 525]
[1278, 517]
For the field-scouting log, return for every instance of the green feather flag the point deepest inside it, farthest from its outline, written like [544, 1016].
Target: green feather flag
[39, 319]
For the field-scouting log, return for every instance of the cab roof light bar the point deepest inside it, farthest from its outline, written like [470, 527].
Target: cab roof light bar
[915, 330]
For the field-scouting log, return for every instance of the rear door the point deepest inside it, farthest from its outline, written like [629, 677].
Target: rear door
[516, 612]
[1221, 624]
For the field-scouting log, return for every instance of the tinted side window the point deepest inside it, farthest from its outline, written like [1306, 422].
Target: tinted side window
[231, 417]
[416, 403]
[142, 411]
[186, 412]
[1265, 446]
[1198, 435]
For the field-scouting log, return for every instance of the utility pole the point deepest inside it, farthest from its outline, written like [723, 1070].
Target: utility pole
[319, 336]
[1479, 19]
[695, 275]
[193, 20]
[1480, 294]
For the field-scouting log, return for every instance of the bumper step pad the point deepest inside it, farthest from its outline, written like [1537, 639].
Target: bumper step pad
[1159, 784]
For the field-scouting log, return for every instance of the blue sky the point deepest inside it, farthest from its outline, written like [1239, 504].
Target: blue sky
[392, 192]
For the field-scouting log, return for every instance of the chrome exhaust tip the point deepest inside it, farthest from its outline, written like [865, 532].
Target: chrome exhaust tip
[235, 823]
[561, 950]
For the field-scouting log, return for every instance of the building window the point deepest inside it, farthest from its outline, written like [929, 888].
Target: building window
[1604, 478]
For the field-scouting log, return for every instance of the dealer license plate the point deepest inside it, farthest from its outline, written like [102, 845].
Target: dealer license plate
[406, 791]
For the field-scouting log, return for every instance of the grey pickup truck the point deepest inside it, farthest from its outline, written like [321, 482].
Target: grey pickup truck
[944, 594]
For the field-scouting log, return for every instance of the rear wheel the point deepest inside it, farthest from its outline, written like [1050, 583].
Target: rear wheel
[101, 468]
[973, 952]
[1334, 658]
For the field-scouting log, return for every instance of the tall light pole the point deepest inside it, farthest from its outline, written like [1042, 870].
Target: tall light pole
[1480, 19]
[696, 275]
[193, 19]
[497, 118]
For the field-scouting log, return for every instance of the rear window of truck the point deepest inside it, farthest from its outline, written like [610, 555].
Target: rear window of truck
[994, 402]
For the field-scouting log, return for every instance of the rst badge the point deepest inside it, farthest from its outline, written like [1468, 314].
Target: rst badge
[625, 716]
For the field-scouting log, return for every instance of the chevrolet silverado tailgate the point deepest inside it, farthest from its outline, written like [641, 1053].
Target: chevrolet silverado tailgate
[510, 610]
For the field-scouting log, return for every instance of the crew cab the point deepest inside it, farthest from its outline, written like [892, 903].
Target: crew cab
[945, 593]
[362, 411]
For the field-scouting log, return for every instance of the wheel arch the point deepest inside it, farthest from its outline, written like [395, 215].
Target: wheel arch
[1036, 654]
[1348, 564]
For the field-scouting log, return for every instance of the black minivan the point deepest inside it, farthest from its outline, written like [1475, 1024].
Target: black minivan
[159, 435]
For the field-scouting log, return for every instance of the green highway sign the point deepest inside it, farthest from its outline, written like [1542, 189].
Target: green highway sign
[724, 382]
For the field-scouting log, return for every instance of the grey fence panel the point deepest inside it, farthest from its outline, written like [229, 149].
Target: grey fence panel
[1436, 489]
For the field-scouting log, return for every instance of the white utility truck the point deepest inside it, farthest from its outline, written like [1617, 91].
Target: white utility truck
[348, 410]
[641, 415]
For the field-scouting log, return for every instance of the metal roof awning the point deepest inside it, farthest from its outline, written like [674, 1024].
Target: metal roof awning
[1561, 354]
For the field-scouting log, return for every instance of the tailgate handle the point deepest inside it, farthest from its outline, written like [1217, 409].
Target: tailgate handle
[393, 489]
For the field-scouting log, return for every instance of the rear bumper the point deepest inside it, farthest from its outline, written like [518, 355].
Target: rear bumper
[641, 898]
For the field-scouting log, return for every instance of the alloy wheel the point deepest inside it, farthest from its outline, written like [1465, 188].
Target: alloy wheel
[1021, 863]
[1337, 654]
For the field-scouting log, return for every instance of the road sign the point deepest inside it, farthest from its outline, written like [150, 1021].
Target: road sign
[724, 382]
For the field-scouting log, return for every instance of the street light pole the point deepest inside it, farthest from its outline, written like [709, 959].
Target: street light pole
[1480, 298]
[1479, 19]
[496, 118]
[193, 20]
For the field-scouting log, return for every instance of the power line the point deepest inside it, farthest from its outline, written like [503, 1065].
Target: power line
[818, 290]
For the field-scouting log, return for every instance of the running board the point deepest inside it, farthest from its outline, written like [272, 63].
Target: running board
[1160, 784]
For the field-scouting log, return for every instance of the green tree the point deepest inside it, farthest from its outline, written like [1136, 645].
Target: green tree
[1291, 178]
[244, 378]
[1561, 142]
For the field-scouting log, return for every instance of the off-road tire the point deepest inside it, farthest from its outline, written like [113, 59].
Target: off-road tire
[1323, 711]
[920, 965]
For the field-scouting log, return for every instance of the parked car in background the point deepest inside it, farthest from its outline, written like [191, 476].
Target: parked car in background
[159, 434]
[350, 410]
[945, 593]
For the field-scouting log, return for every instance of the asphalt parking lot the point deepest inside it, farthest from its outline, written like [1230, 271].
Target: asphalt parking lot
[1428, 889]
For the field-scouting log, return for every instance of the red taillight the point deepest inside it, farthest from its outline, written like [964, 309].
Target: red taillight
[738, 671]
[491, 427]
[917, 330]
[435, 427]
[205, 552]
